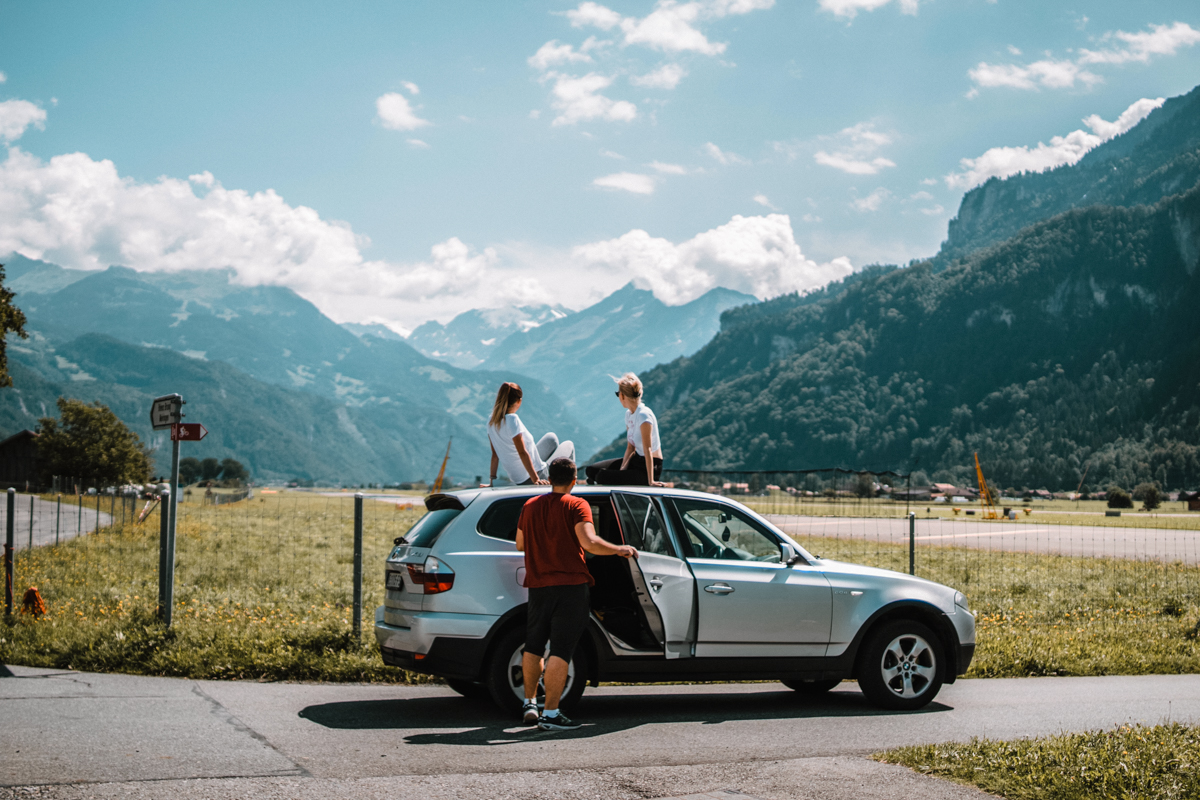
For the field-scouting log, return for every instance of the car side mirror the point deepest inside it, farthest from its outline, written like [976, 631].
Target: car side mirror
[788, 554]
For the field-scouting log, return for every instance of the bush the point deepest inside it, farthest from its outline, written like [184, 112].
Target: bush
[1119, 498]
[1149, 494]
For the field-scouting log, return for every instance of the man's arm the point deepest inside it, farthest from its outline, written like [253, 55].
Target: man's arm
[520, 540]
[589, 541]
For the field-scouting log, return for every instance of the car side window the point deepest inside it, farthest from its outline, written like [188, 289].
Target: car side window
[643, 525]
[713, 530]
[501, 518]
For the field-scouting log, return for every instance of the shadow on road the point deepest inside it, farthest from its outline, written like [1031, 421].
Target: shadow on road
[601, 714]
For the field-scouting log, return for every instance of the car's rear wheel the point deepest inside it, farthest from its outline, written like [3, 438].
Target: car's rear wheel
[471, 689]
[506, 677]
[812, 688]
[901, 666]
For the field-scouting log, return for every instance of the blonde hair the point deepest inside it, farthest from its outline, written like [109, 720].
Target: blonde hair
[629, 385]
[508, 394]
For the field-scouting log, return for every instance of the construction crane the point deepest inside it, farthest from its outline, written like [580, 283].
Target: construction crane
[985, 495]
[437, 485]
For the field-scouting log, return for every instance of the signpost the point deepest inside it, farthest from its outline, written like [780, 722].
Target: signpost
[167, 412]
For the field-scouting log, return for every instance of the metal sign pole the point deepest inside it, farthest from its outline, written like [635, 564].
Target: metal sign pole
[8, 551]
[164, 527]
[174, 507]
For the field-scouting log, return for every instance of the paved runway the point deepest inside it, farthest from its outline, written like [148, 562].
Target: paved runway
[1021, 535]
[53, 522]
[76, 735]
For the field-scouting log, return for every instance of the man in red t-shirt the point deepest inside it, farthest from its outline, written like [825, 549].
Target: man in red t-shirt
[554, 531]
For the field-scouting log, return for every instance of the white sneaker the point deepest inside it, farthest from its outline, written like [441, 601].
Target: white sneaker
[529, 712]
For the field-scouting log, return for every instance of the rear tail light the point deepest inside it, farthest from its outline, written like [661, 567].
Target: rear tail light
[433, 577]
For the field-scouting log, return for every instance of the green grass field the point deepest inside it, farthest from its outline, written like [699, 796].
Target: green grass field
[1129, 763]
[263, 591]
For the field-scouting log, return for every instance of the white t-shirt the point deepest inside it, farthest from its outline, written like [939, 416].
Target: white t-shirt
[633, 429]
[506, 451]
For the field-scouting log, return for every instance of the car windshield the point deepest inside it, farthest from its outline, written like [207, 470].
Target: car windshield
[430, 527]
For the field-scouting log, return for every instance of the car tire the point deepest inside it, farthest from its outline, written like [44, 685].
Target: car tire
[473, 690]
[902, 666]
[812, 688]
[505, 683]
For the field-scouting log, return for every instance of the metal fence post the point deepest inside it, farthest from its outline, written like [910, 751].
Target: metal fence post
[912, 543]
[8, 551]
[31, 523]
[58, 520]
[358, 548]
[79, 519]
[166, 560]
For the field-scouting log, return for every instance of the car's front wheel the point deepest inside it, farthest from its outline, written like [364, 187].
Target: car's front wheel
[506, 676]
[901, 666]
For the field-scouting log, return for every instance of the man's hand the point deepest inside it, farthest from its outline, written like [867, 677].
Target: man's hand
[625, 551]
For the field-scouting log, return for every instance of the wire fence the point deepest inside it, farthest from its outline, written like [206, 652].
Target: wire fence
[283, 560]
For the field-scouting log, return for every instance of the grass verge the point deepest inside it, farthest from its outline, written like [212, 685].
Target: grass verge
[1131, 762]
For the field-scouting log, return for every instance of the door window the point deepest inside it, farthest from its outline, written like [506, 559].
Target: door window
[643, 525]
[712, 530]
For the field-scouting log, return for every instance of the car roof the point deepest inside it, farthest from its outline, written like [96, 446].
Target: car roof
[467, 496]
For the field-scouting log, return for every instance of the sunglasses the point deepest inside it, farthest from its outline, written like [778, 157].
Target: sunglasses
[634, 396]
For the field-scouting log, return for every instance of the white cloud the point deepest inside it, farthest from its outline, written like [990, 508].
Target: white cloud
[668, 169]
[578, 100]
[16, 116]
[671, 26]
[723, 157]
[1014, 50]
[3, 77]
[932, 212]
[594, 15]
[850, 8]
[395, 113]
[413, 89]
[1159, 40]
[758, 255]
[627, 181]
[764, 201]
[1047, 74]
[667, 76]
[418, 143]
[611, 154]
[856, 146]
[552, 53]
[871, 202]
[1000, 162]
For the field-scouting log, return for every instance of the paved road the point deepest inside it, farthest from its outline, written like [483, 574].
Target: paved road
[125, 736]
[52, 522]
[1021, 535]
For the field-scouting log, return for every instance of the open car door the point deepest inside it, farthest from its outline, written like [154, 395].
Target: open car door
[664, 582]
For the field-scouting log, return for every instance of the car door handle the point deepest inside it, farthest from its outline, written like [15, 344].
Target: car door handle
[656, 584]
[718, 588]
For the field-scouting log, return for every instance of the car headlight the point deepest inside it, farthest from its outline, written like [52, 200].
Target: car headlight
[960, 600]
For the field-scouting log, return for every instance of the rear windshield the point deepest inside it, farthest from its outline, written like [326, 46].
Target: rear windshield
[501, 518]
[430, 527]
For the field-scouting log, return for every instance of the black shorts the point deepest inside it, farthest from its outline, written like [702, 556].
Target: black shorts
[556, 614]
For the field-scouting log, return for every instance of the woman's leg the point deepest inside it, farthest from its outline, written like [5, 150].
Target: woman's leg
[564, 450]
[547, 445]
[592, 470]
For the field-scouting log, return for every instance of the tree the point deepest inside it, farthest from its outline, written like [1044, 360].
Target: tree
[210, 469]
[864, 485]
[189, 471]
[12, 320]
[233, 473]
[91, 442]
[1149, 494]
[1119, 498]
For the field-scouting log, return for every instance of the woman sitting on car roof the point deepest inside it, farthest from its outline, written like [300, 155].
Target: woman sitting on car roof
[512, 444]
[643, 461]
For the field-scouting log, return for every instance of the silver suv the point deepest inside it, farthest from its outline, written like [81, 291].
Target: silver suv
[717, 593]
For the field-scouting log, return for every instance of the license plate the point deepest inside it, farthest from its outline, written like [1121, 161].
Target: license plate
[395, 581]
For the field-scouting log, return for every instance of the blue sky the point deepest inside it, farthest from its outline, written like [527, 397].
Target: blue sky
[402, 161]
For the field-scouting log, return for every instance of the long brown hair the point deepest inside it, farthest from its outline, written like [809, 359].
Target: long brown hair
[509, 393]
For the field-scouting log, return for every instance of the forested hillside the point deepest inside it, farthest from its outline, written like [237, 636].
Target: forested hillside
[1157, 158]
[1075, 342]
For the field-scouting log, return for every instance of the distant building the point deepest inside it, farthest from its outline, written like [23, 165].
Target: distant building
[917, 494]
[18, 460]
[1192, 499]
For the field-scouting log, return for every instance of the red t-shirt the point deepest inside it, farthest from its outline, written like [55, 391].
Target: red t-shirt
[553, 555]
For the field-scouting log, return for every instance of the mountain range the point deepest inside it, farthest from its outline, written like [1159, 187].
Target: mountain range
[1054, 334]
[471, 337]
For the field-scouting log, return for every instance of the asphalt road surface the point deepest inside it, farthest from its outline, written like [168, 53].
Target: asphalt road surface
[79, 735]
[50, 521]
[1021, 535]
